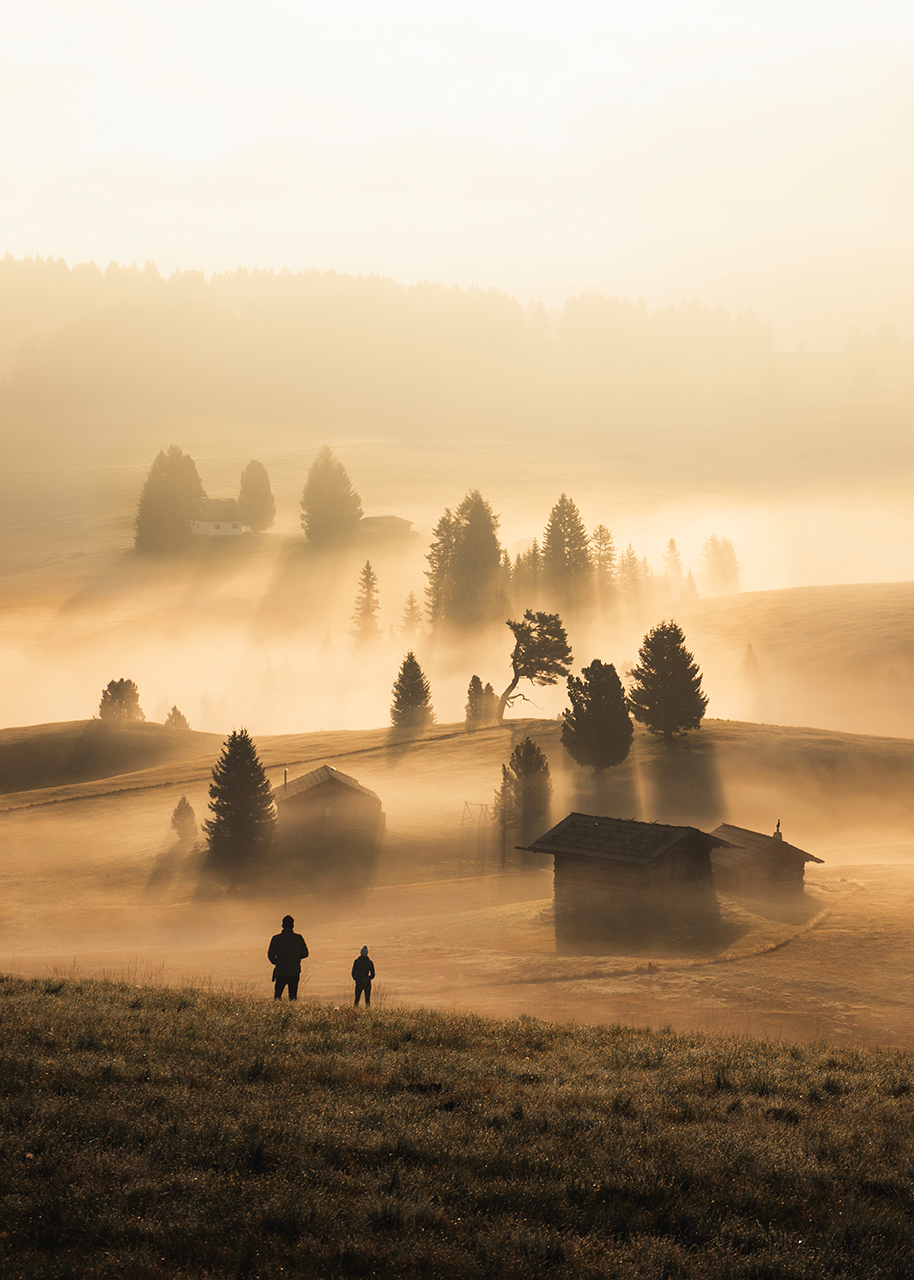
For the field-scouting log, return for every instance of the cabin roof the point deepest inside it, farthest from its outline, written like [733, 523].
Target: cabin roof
[585, 835]
[308, 781]
[743, 846]
[215, 510]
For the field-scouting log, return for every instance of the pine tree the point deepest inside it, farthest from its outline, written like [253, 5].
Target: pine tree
[526, 790]
[597, 728]
[162, 521]
[466, 570]
[331, 508]
[603, 553]
[241, 829]
[411, 622]
[255, 497]
[481, 705]
[120, 701]
[672, 569]
[718, 567]
[567, 564]
[365, 627]
[176, 720]
[412, 705]
[629, 577]
[541, 654]
[184, 820]
[440, 589]
[667, 696]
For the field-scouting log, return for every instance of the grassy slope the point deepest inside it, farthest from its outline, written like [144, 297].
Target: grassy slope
[174, 1134]
[827, 655]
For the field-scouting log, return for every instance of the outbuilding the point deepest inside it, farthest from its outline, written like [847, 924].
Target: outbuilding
[752, 863]
[618, 876]
[329, 825]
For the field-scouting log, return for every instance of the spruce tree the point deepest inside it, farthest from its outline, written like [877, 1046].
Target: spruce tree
[162, 521]
[603, 554]
[255, 497]
[411, 622]
[672, 569]
[597, 729]
[241, 829]
[412, 705]
[466, 570]
[474, 704]
[526, 790]
[365, 627]
[176, 720]
[120, 701]
[666, 697]
[184, 820]
[567, 564]
[718, 568]
[331, 508]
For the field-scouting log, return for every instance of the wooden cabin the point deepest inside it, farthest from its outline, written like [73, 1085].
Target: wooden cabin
[617, 876]
[217, 518]
[329, 825]
[752, 863]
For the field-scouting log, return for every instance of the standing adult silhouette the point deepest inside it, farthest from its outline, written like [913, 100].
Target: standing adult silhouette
[363, 972]
[286, 952]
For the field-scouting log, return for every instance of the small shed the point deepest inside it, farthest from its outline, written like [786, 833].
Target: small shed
[753, 863]
[328, 823]
[616, 875]
[385, 528]
[216, 518]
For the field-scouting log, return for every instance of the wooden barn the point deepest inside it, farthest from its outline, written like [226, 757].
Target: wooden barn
[752, 863]
[617, 876]
[329, 825]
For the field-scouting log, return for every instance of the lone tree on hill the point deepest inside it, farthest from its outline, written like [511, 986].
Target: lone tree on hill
[176, 719]
[255, 497]
[412, 704]
[719, 569]
[240, 831]
[666, 697]
[525, 792]
[183, 820]
[120, 701]
[365, 617]
[162, 522]
[331, 508]
[541, 654]
[597, 728]
[482, 704]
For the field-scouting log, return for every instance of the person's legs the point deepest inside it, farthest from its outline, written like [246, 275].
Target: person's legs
[359, 988]
[293, 988]
[367, 995]
[278, 987]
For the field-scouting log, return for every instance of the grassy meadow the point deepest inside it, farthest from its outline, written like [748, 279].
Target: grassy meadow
[153, 1133]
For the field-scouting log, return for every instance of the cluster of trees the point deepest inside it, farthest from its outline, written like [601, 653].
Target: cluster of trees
[162, 522]
[121, 701]
[472, 580]
[376, 351]
[597, 729]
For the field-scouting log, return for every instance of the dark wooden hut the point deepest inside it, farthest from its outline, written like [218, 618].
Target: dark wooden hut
[329, 825]
[752, 863]
[617, 876]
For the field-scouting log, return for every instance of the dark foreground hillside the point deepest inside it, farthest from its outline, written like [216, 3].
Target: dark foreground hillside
[152, 1133]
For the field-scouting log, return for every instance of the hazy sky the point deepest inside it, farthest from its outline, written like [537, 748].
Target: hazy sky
[545, 148]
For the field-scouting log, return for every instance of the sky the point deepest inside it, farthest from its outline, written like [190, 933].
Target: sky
[748, 154]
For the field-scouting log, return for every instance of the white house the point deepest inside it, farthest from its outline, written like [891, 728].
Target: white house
[216, 518]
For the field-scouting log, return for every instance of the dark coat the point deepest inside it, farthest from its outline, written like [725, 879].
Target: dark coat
[286, 951]
[363, 970]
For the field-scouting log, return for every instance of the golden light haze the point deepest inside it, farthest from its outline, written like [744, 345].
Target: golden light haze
[758, 157]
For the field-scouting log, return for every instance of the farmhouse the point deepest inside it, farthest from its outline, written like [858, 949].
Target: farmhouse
[216, 518]
[618, 876]
[753, 863]
[329, 825]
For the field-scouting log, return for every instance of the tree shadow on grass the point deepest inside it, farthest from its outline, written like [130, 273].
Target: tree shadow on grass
[681, 783]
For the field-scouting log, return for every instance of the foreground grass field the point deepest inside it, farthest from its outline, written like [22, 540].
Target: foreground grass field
[152, 1133]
